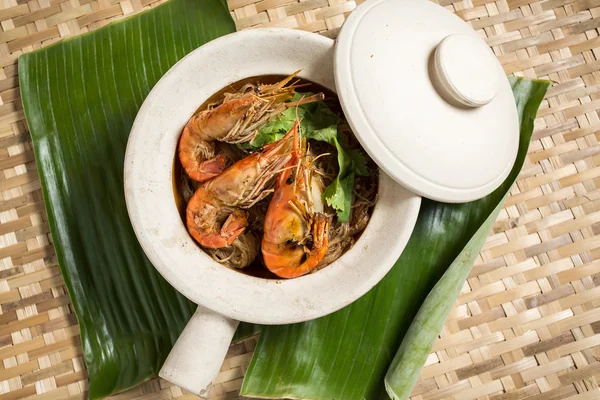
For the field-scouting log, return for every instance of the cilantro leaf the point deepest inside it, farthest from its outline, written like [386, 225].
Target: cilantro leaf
[327, 134]
[318, 122]
[359, 162]
[274, 130]
[338, 195]
[266, 138]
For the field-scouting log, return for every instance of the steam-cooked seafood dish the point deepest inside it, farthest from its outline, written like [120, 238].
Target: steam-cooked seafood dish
[270, 179]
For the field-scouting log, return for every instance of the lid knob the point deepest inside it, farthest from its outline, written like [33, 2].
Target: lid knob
[466, 69]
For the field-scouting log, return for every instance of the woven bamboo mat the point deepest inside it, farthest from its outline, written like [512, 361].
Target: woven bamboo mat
[527, 323]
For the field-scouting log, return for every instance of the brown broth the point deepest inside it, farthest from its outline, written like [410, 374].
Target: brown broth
[256, 268]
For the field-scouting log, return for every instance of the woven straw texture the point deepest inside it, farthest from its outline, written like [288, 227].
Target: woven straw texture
[527, 323]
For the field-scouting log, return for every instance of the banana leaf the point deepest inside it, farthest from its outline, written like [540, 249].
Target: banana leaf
[346, 355]
[80, 98]
[429, 321]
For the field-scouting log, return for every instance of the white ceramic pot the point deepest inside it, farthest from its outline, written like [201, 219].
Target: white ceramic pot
[226, 296]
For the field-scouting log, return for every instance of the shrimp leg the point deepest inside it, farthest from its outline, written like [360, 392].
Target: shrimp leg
[234, 226]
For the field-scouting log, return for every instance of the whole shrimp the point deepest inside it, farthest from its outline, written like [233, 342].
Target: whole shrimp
[215, 215]
[295, 235]
[237, 119]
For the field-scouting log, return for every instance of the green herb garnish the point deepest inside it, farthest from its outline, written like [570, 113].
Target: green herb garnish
[318, 122]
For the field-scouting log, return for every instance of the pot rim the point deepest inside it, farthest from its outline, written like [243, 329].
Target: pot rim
[163, 236]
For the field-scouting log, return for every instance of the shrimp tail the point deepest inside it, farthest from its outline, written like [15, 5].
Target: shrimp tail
[234, 226]
[197, 156]
[209, 169]
[202, 214]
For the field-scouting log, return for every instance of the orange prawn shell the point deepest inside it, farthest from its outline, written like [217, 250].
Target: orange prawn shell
[204, 128]
[240, 185]
[201, 214]
[288, 222]
[283, 228]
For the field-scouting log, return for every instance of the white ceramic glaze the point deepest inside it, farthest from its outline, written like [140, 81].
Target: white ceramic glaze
[405, 119]
[196, 358]
[162, 234]
[466, 68]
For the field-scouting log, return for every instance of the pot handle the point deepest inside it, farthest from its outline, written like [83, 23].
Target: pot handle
[196, 358]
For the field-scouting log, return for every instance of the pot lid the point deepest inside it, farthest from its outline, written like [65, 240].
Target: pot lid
[427, 99]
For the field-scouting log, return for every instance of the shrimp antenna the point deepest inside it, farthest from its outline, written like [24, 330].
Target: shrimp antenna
[298, 119]
[264, 100]
[317, 157]
[297, 108]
